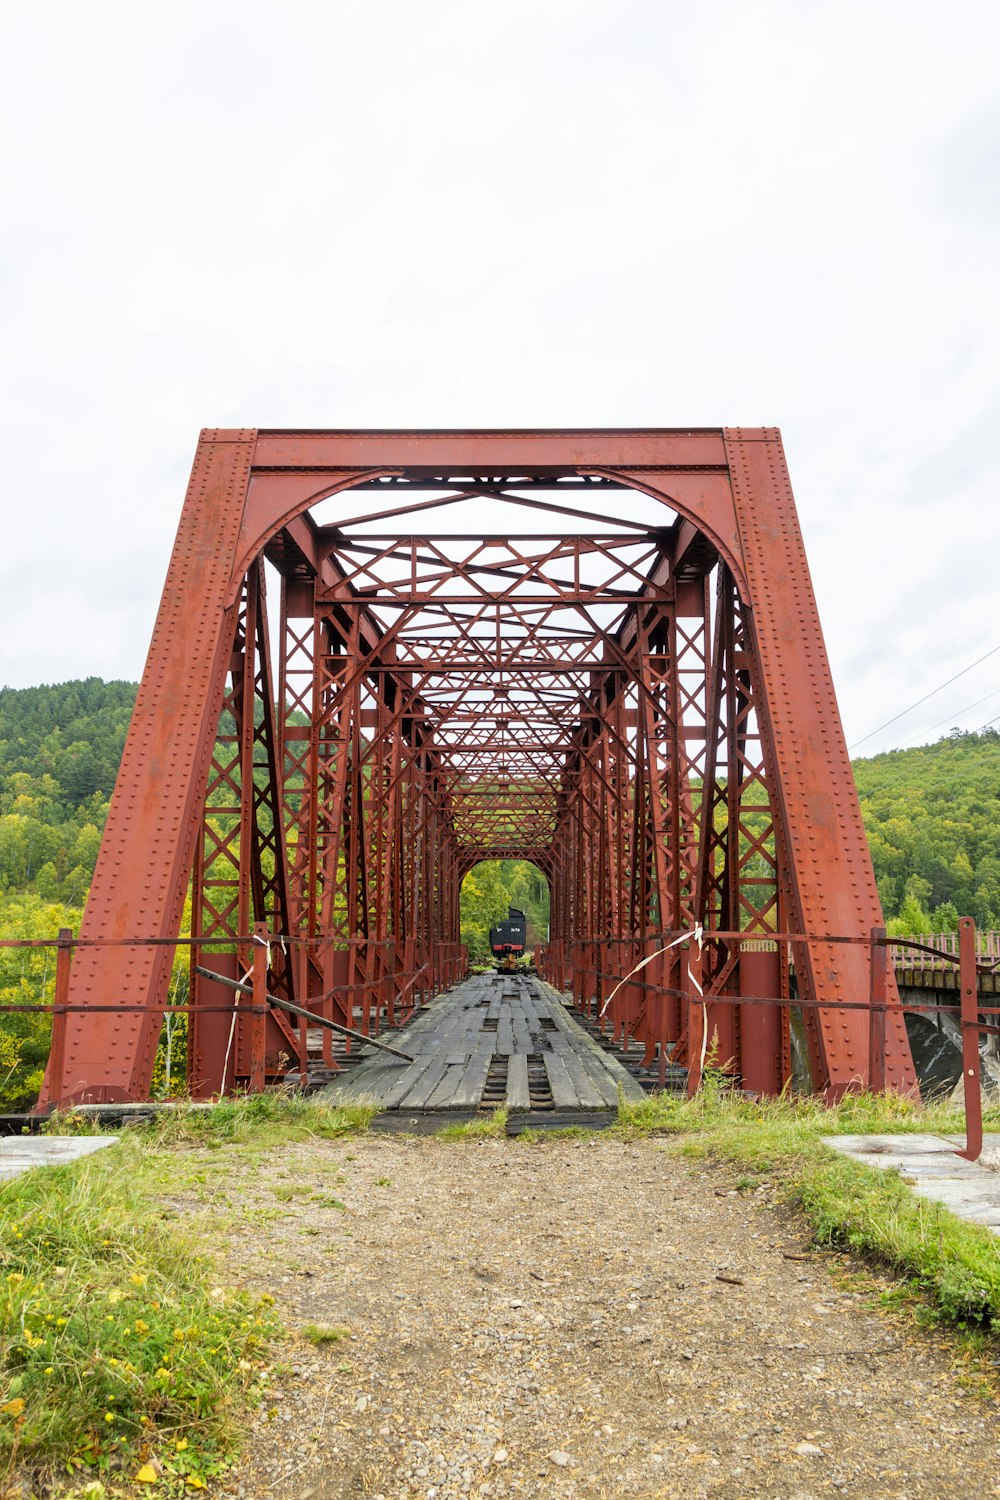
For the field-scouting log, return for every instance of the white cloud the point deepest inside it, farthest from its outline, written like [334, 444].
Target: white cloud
[590, 214]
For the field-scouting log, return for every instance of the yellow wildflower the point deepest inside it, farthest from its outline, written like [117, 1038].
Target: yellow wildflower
[16, 1276]
[13, 1408]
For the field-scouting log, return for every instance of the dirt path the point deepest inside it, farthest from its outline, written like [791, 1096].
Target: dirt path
[550, 1321]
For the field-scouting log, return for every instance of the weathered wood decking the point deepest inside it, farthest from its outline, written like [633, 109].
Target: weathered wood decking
[491, 1040]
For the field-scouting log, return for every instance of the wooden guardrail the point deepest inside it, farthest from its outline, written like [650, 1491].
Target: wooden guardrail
[947, 944]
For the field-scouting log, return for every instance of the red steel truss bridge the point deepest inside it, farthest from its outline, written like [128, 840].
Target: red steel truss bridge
[381, 657]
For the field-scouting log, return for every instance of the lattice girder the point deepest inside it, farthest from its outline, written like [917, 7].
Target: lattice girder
[667, 754]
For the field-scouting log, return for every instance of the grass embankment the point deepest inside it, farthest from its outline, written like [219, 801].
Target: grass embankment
[121, 1355]
[950, 1268]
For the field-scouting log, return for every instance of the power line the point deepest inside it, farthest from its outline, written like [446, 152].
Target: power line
[967, 709]
[903, 712]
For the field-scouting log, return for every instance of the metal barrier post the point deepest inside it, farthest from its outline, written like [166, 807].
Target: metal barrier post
[64, 958]
[877, 1014]
[970, 1040]
[258, 1023]
[697, 1018]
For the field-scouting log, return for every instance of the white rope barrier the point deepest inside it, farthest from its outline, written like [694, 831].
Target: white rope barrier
[266, 944]
[695, 935]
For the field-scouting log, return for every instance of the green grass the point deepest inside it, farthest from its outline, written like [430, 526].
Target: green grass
[320, 1333]
[285, 1192]
[116, 1343]
[490, 1125]
[119, 1343]
[952, 1266]
[261, 1119]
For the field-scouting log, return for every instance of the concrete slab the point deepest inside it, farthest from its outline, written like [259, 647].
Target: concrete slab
[931, 1168]
[20, 1153]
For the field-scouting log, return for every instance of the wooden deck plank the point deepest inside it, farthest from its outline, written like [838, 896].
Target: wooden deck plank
[620, 1076]
[453, 1053]
[442, 1096]
[518, 1097]
[605, 1082]
[469, 1089]
[390, 1095]
[418, 1095]
[365, 1083]
[563, 1093]
[587, 1094]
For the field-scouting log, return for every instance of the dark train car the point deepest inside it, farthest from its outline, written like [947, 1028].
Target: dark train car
[507, 939]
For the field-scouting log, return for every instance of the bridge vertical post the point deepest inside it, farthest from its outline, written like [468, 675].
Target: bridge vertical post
[970, 1040]
[258, 1026]
[877, 1013]
[697, 1018]
[64, 958]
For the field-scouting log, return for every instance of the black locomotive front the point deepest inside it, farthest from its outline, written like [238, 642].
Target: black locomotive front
[508, 938]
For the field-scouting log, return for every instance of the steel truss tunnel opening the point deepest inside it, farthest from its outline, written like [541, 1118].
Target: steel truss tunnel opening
[594, 652]
[489, 890]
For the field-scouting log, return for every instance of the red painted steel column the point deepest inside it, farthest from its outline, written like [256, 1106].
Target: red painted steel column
[144, 864]
[832, 882]
[761, 1026]
[876, 1044]
[971, 1065]
[64, 958]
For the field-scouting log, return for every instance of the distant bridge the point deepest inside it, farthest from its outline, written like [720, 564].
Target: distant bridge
[918, 972]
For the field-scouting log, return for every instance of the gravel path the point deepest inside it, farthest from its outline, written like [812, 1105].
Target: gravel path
[592, 1319]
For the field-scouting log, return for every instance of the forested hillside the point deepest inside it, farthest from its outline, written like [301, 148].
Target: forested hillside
[932, 816]
[59, 753]
[489, 890]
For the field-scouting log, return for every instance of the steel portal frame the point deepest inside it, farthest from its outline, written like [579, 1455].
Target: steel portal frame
[644, 710]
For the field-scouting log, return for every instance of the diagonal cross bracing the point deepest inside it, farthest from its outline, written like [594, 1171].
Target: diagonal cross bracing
[597, 651]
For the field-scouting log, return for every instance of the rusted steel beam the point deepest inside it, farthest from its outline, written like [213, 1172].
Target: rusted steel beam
[449, 696]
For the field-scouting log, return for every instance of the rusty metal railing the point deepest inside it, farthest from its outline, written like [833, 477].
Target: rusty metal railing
[253, 1002]
[396, 993]
[971, 958]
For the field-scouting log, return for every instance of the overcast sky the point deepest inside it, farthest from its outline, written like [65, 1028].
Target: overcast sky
[643, 213]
